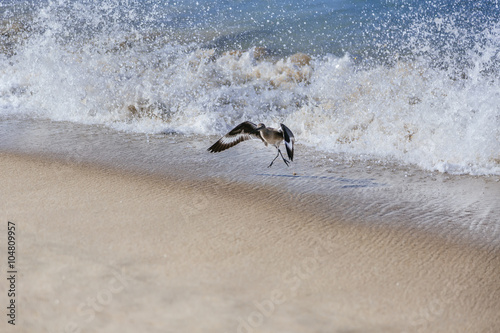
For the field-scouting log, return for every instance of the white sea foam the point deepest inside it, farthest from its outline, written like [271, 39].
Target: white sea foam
[444, 118]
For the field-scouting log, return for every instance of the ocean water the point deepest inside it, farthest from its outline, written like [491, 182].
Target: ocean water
[410, 82]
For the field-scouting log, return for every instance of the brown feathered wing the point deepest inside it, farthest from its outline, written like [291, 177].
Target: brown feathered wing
[242, 132]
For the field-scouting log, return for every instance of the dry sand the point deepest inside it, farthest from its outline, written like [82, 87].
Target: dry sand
[100, 250]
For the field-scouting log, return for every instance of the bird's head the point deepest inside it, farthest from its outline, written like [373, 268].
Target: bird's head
[260, 126]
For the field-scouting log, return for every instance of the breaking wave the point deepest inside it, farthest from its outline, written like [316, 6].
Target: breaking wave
[420, 87]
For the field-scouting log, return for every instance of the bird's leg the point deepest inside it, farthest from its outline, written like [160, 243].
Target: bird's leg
[274, 159]
[284, 160]
[287, 162]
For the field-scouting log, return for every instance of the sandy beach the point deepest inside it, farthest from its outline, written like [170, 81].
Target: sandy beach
[116, 217]
[102, 250]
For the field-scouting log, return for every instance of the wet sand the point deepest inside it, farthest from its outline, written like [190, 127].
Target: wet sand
[102, 250]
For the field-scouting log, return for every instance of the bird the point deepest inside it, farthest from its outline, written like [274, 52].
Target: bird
[248, 130]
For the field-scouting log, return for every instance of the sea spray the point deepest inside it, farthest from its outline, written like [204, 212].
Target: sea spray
[406, 82]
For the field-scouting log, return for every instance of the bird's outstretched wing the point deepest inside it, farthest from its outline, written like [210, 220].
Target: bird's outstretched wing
[289, 141]
[242, 132]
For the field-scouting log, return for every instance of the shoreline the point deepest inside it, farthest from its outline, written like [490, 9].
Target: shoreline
[238, 259]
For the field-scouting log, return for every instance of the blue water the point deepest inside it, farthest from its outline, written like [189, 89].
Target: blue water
[410, 81]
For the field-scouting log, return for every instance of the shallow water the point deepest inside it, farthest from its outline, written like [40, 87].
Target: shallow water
[364, 191]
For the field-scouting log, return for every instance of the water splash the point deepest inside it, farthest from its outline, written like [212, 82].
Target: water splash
[417, 84]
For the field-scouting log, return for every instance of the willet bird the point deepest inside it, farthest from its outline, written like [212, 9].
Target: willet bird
[248, 130]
